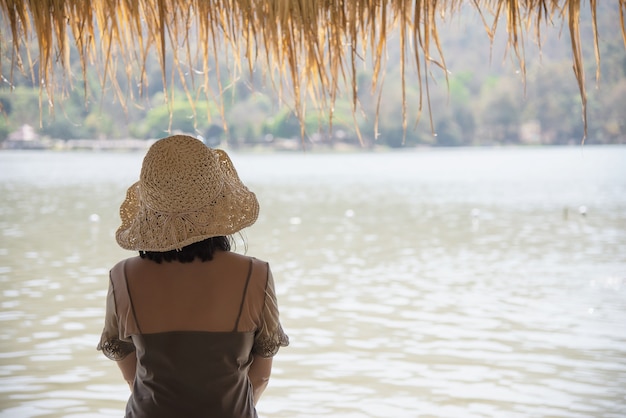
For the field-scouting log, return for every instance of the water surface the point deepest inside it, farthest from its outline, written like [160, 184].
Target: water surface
[426, 283]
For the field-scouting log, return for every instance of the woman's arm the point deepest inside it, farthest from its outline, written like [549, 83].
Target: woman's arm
[259, 374]
[128, 366]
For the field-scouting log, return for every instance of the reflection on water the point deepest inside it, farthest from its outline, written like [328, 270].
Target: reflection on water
[438, 283]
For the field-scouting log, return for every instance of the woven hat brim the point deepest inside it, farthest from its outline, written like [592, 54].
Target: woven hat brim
[146, 229]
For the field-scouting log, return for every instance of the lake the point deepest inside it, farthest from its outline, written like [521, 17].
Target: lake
[479, 282]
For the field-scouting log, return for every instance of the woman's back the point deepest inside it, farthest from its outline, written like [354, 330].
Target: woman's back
[193, 327]
[224, 294]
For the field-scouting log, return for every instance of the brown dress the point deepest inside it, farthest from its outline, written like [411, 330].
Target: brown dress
[194, 328]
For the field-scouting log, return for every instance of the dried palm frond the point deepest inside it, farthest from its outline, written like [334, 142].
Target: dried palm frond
[315, 44]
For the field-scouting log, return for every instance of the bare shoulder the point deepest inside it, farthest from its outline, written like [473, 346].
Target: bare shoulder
[125, 264]
[240, 258]
[117, 273]
[260, 268]
[120, 265]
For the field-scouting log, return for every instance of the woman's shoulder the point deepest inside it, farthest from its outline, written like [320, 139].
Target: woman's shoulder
[241, 258]
[122, 263]
[126, 266]
[258, 270]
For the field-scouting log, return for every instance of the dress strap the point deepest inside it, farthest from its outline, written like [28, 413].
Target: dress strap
[243, 298]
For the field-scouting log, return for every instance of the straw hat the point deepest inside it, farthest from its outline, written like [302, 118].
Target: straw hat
[187, 192]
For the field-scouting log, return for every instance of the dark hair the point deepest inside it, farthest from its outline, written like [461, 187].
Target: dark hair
[203, 250]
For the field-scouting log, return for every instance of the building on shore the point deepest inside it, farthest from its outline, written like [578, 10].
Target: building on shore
[25, 137]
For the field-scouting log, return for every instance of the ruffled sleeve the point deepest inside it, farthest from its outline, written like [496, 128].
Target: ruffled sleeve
[270, 335]
[112, 342]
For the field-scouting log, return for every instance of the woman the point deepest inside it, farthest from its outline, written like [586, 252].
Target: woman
[192, 326]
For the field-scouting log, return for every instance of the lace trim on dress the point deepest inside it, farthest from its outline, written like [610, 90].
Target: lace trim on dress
[268, 345]
[116, 349]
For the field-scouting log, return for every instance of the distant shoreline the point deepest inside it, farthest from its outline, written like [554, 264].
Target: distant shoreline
[97, 145]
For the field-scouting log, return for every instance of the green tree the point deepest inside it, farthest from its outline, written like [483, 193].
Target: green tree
[157, 122]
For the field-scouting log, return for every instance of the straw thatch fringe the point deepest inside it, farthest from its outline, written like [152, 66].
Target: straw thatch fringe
[315, 43]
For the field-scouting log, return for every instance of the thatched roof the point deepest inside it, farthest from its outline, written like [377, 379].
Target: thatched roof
[316, 44]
